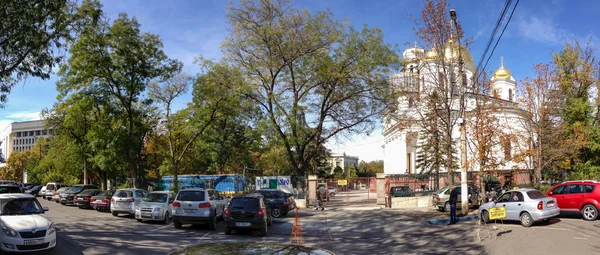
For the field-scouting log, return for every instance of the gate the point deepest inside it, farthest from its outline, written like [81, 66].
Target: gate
[356, 191]
[419, 185]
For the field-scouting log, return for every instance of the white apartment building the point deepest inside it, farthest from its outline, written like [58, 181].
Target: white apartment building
[342, 160]
[20, 136]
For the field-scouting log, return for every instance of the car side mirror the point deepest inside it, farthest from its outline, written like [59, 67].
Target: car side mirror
[550, 194]
[45, 208]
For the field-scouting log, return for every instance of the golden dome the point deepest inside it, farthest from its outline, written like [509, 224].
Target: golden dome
[431, 54]
[501, 72]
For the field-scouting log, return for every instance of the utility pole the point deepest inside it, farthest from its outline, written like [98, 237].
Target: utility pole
[464, 197]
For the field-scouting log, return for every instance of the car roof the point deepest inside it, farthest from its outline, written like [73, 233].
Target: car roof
[16, 195]
[581, 181]
[161, 192]
[193, 189]
[128, 189]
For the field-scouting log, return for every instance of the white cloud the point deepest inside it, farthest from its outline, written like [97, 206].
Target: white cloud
[545, 31]
[10, 117]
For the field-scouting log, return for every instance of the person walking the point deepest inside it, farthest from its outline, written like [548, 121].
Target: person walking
[453, 199]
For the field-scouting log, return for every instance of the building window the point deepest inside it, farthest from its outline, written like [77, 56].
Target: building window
[510, 95]
[44, 132]
[411, 102]
[31, 133]
[453, 84]
[24, 134]
[507, 149]
[18, 134]
[441, 80]
[464, 80]
[38, 132]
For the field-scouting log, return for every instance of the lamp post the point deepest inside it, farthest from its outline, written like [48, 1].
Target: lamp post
[462, 122]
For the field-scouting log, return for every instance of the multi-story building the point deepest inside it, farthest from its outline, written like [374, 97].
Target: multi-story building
[21, 136]
[430, 75]
[342, 160]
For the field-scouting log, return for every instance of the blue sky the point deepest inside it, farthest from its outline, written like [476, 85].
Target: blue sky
[193, 28]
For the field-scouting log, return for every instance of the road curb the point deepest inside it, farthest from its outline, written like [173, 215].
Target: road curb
[446, 221]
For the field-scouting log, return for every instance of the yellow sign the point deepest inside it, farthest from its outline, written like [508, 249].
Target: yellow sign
[342, 182]
[497, 213]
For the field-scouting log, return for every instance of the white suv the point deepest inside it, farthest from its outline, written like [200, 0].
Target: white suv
[126, 200]
[198, 206]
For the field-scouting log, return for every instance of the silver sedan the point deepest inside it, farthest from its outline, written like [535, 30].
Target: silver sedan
[524, 205]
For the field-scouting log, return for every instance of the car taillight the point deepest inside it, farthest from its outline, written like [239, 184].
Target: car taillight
[87, 198]
[285, 203]
[227, 212]
[176, 204]
[131, 200]
[438, 199]
[540, 205]
[105, 200]
[93, 199]
[261, 212]
[204, 205]
[75, 197]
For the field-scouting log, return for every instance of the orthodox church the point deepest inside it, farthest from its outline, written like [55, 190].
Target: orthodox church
[426, 73]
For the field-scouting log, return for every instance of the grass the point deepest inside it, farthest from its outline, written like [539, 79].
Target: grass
[234, 248]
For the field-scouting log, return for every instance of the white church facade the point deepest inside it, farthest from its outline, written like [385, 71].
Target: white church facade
[423, 74]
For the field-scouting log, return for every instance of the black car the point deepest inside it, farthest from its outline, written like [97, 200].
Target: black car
[82, 200]
[401, 191]
[68, 196]
[35, 190]
[247, 212]
[10, 189]
[278, 201]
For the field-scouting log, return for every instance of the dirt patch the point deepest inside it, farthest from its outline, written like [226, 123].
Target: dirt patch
[234, 248]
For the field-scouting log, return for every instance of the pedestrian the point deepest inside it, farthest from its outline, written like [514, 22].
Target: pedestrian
[150, 188]
[452, 201]
[322, 196]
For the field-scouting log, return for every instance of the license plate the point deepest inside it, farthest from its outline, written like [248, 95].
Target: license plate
[79, 198]
[550, 204]
[146, 215]
[242, 224]
[189, 211]
[34, 242]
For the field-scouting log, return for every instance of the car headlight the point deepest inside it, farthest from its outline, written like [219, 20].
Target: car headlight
[157, 209]
[51, 229]
[9, 231]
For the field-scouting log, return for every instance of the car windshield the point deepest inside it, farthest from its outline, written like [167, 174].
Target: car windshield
[88, 192]
[21, 206]
[442, 190]
[247, 203]
[189, 195]
[9, 189]
[63, 189]
[76, 189]
[156, 198]
[106, 193]
[123, 193]
[50, 186]
[535, 194]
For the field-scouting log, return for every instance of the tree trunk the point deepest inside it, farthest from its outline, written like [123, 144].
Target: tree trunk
[175, 187]
[538, 167]
[449, 159]
[85, 171]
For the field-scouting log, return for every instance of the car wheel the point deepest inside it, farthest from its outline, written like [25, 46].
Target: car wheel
[589, 212]
[57, 202]
[276, 212]
[177, 224]
[213, 224]
[227, 231]
[115, 214]
[167, 220]
[63, 204]
[485, 216]
[446, 207]
[332, 194]
[526, 220]
[139, 220]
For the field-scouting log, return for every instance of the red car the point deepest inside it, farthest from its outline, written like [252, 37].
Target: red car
[578, 196]
[101, 202]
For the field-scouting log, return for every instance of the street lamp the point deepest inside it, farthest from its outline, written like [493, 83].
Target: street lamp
[463, 123]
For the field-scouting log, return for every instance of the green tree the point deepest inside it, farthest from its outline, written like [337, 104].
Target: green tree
[117, 62]
[33, 34]
[338, 173]
[314, 77]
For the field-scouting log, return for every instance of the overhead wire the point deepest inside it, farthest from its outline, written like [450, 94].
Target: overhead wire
[494, 31]
[500, 37]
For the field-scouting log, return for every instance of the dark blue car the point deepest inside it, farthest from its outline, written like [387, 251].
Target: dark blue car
[278, 201]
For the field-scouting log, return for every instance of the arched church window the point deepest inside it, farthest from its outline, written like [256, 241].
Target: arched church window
[464, 80]
[510, 95]
[441, 80]
[411, 102]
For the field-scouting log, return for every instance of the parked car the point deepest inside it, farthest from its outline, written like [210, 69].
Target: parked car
[34, 191]
[197, 205]
[101, 202]
[52, 187]
[401, 191]
[577, 196]
[524, 205]
[83, 199]
[56, 194]
[42, 192]
[247, 212]
[25, 226]
[278, 201]
[332, 192]
[440, 198]
[10, 189]
[156, 206]
[68, 196]
[126, 200]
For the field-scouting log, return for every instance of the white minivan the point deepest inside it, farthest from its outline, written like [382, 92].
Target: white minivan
[25, 226]
[126, 200]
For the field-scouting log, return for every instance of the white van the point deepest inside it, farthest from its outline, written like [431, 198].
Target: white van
[51, 187]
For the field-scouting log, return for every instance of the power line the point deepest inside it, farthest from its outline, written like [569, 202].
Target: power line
[493, 35]
[500, 37]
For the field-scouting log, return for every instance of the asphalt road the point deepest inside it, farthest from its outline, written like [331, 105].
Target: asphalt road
[85, 231]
